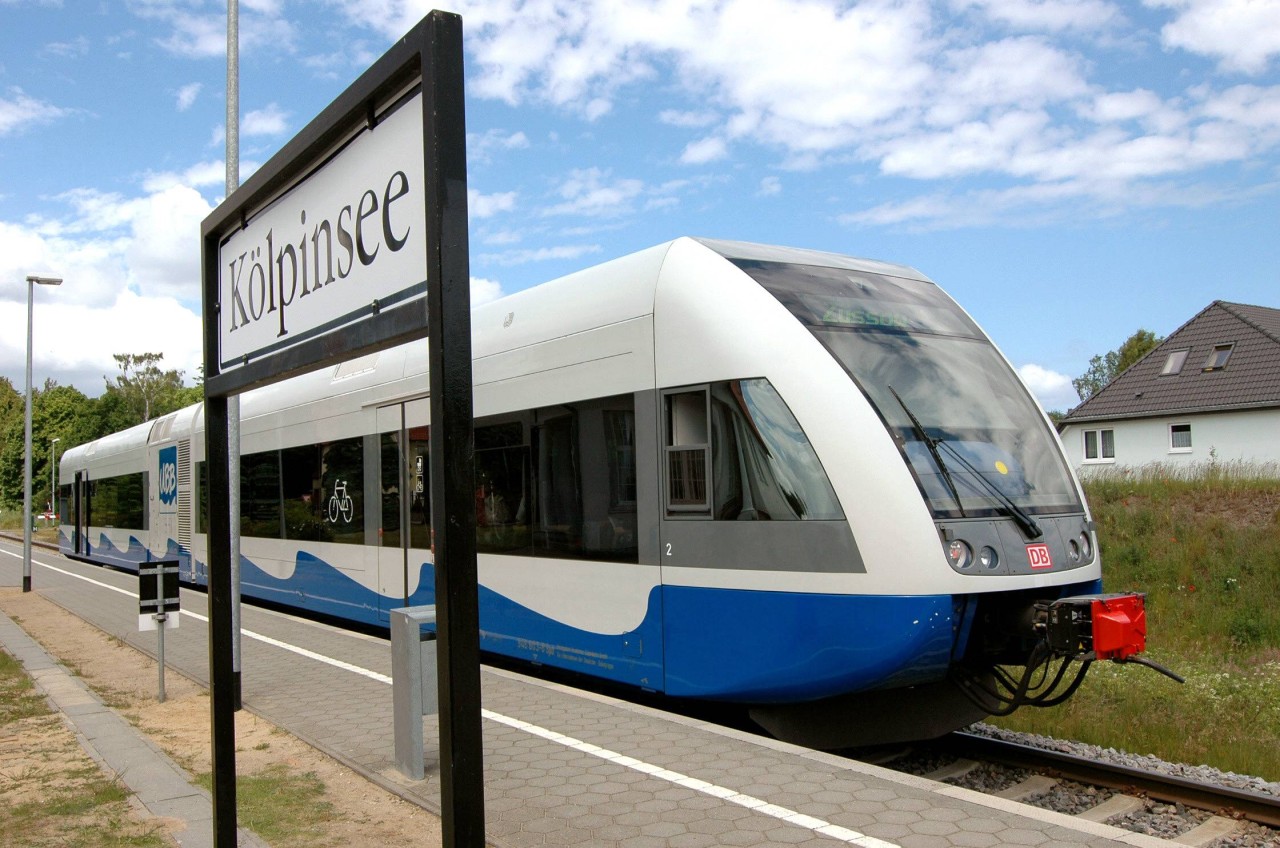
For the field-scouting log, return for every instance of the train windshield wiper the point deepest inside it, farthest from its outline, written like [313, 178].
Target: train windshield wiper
[993, 492]
[1011, 509]
[932, 444]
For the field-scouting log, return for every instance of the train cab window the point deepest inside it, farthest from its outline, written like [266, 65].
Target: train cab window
[688, 451]
[735, 452]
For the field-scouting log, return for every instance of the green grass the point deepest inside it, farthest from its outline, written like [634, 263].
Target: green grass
[18, 698]
[283, 807]
[1204, 545]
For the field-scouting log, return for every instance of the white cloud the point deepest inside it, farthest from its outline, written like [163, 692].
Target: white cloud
[1016, 90]
[19, 112]
[1053, 390]
[704, 150]
[482, 147]
[187, 95]
[270, 120]
[541, 254]
[687, 120]
[487, 205]
[770, 187]
[262, 24]
[591, 191]
[1046, 15]
[1243, 35]
[483, 291]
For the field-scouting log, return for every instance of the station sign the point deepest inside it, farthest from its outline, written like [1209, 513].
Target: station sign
[344, 242]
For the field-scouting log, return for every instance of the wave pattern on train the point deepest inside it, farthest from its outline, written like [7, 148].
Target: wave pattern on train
[786, 479]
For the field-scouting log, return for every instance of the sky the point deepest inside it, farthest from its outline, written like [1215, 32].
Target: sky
[1068, 170]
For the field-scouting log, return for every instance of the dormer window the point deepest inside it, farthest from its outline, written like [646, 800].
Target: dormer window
[1174, 362]
[1218, 358]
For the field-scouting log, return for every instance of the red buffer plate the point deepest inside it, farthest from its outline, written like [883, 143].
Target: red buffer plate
[1119, 626]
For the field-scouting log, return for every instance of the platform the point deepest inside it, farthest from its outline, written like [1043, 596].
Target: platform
[562, 766]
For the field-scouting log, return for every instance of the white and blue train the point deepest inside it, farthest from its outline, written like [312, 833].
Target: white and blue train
[781, 478]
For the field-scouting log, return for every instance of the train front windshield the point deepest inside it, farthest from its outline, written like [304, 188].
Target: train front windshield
[970, 432]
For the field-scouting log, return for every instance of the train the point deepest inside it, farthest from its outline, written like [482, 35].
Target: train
[795, 481]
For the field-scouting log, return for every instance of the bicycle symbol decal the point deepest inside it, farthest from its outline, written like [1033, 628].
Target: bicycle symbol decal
[340, 503]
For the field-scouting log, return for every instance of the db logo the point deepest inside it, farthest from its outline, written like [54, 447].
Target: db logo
[168, 475]
[1038, 555]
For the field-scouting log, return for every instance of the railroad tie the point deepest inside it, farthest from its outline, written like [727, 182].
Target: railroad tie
[1037, 784]
[951, 771]
[1116, 805]
[1208, 831]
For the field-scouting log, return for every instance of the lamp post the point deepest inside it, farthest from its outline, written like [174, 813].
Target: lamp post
[26, 468]
[53, 478]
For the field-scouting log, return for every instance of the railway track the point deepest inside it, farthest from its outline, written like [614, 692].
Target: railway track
[1226, 815]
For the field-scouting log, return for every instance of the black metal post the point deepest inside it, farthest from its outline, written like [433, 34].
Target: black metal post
[222, 682]
[453, 516]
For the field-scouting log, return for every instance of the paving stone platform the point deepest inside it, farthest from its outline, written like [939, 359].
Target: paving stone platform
[564, 767]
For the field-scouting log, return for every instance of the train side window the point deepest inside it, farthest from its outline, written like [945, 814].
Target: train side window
[260, 495]
[502, 489]
[687, 451]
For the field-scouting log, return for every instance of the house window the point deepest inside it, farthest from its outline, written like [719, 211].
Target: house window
[1179, 438]
[1218, 358]
[1099, 445]
[1173, 362]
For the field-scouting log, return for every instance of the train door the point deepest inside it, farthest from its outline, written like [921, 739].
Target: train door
[80, 527]
[404, 529]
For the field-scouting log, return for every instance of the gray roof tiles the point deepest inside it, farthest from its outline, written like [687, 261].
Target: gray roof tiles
[1249, 380]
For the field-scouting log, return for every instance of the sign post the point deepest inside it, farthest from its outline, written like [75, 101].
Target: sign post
[157, 597]
[352, 239]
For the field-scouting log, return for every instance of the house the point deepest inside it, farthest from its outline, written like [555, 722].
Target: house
[1209, 392]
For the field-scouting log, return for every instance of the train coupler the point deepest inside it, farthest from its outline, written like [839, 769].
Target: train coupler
[1101, 627]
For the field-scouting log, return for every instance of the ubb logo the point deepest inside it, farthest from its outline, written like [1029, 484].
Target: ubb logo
[169, 475]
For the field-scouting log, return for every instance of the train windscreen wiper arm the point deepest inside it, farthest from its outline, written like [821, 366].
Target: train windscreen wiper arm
[932, 444]
[1017, 513]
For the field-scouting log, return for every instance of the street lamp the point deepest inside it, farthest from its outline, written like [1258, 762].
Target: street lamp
[26, 469]
[53, 477]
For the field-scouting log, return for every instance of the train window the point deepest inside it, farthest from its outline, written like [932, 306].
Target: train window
[687, 450]
[341, 501]
[322, 492]
[763, 466]
[299, 492]
[502, 489]
[558, 530]
[419, 464]
[389, 486]
[260, 495]
[119, 501]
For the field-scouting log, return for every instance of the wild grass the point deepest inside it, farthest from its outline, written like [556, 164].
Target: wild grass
[1203, 543]
[77, 807]
[281, 805]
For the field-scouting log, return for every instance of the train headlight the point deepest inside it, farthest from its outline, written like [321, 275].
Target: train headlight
[960, 554]
[1073, 550]
[1086, 546]
[988, 558]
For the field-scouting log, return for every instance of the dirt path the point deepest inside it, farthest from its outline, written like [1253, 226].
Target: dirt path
[351, 811]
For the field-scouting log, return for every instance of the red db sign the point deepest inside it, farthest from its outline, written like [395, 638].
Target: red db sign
[1038, 556]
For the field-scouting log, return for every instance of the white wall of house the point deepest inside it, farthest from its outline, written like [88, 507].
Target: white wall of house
[1250, 437]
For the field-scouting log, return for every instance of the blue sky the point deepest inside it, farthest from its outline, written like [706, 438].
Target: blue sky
[1069, 170]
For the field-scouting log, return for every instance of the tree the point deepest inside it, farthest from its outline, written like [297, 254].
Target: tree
[142, 391]
[1106, 367]
[60, 412]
